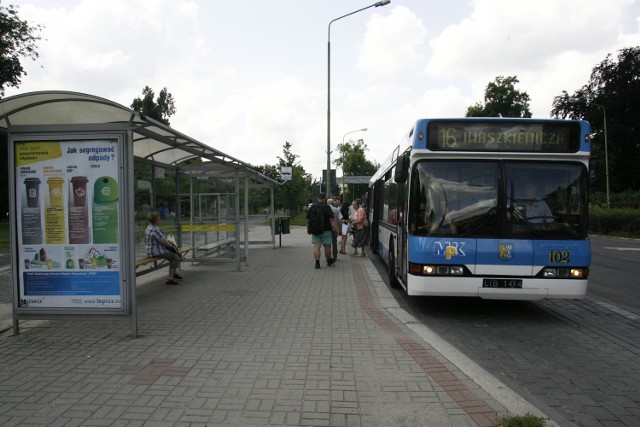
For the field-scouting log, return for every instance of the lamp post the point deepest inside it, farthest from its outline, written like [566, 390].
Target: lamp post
[377, 4]
[352, 131]
[606, 151]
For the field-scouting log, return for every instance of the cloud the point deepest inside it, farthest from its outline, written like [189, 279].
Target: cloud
[551, 46]
[116, 43]
[255, 122]
[392, 43]
[499, 35]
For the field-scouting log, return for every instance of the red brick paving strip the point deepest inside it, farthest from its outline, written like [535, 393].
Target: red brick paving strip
[477, 409]
[151, 372]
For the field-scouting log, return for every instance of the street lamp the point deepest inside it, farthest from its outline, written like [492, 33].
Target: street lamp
[606, 151]
[377, 4]
[352, 131]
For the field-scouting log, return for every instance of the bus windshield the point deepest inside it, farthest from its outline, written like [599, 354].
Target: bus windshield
[498, 199]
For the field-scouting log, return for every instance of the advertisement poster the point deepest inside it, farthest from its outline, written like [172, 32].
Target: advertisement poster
[67, 221]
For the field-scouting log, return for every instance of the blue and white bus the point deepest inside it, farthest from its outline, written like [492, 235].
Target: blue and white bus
[493, 208]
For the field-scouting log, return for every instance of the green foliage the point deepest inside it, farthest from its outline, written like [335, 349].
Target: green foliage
[612, 92]
[300, 219]
[159, 109]
[17, 40]
[526, 420]
[614, 221]
[501, 99]
[292, 195]
[353, 161]
[625, 199]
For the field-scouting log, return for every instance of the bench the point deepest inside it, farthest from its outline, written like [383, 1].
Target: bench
[157, 262]
[213, 246]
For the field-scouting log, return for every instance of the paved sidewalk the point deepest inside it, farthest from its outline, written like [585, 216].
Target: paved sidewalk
[278, 343]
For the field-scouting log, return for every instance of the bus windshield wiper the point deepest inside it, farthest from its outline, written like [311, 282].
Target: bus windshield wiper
[480, 221]
[515, 213]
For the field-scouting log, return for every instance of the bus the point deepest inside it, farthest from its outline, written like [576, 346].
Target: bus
[494, 208]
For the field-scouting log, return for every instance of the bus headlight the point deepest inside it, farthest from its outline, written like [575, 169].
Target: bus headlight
[565, 273]
[436, 270]
[577, 273]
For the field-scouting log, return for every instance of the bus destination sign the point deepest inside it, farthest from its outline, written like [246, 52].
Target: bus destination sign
[544, 137]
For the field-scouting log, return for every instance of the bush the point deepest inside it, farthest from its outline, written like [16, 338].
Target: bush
[614, 221]
[625, 199]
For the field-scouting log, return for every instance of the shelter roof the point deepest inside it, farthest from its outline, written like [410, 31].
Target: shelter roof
[152, 140]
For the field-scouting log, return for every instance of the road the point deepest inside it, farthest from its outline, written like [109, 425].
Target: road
[615, 275]
[577, 360]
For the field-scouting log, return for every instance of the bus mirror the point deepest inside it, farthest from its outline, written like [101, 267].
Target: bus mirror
[402, 169]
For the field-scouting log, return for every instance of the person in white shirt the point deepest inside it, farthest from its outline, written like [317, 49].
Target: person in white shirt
[536, 210]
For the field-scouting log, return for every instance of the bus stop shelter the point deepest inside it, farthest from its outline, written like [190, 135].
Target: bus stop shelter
[84, 172]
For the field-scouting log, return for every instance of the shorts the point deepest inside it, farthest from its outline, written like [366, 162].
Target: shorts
[324, 239]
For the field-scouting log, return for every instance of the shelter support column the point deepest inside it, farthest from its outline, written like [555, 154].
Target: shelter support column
[273, 220]
[237, 219]
[246, 220]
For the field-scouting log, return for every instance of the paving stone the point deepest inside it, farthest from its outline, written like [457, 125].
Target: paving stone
[277, 343]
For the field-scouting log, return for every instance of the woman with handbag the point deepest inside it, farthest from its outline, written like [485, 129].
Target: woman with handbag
[361, 226]
[157, 245]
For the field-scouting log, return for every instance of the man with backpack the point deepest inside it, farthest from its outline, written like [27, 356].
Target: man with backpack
[321, 225]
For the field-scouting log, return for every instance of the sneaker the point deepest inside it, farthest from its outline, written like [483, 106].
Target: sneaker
[354, 254]
[317, 265]
[172, 282]
[178, 277]
[362, 254]
[331, 261]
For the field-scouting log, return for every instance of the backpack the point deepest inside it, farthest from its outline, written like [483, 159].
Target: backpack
[316, 219]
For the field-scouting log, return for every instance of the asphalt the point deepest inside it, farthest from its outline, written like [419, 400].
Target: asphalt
[277, 343]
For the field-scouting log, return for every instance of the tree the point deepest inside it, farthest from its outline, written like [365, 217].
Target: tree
[160, 109]
[292, 195]
[501, 99]
[613, 91]
[17, 40]
[353, 160]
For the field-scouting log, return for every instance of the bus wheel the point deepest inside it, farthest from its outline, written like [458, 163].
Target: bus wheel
[393, 280]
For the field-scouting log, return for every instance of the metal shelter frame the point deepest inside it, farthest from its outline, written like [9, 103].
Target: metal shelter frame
[51, 112]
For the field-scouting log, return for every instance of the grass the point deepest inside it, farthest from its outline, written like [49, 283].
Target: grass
[300, 219]
[526, 420]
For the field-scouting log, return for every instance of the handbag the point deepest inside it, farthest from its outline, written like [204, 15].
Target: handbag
[173, 247]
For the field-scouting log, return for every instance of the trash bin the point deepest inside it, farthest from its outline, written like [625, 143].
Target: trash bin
[276, 227]
[284, 225]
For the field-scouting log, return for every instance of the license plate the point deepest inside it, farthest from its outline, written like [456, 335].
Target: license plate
[502, 283]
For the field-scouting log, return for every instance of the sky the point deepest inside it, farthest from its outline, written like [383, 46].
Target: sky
[249, 75]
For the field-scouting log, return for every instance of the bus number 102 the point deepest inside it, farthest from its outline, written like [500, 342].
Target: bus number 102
[559, 256]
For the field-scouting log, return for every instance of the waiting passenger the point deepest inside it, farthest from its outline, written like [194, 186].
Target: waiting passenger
[157, 245]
